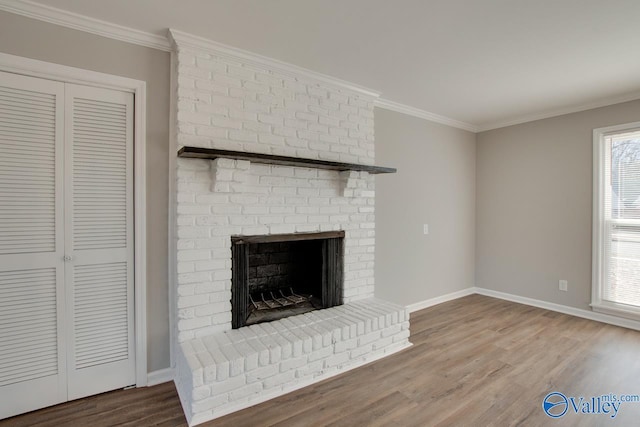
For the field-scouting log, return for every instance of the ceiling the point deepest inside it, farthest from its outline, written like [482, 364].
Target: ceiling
[483, 62]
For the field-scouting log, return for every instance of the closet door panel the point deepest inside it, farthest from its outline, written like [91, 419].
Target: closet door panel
[32, 304]
[99, 233]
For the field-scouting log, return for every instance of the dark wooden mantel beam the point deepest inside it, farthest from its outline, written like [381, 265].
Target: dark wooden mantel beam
[213, 153]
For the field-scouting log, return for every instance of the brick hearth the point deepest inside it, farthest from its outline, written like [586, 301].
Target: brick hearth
[242, 367]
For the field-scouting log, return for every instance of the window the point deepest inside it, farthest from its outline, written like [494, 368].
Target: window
[616, 220]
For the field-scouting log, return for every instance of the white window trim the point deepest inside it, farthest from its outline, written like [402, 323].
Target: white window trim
[598, 258]
[62, 73]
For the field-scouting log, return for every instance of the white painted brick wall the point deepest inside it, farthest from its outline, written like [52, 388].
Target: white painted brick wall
[228, 104]
[268, 200]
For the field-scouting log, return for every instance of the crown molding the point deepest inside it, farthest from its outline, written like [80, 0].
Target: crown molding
[84, 23]
[183, 40]
[416, 112]
[561, 112]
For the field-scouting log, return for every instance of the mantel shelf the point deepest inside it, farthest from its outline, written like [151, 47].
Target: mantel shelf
[269, 159]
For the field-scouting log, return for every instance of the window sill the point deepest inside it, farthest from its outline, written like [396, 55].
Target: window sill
[619, 310]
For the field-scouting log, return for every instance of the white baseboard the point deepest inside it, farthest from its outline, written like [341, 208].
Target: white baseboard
[160, 376]
[439, 300]
[585, 314]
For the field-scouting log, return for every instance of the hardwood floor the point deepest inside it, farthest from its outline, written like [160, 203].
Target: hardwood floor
[475, 361]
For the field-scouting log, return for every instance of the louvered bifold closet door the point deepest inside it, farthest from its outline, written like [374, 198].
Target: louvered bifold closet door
[32, 347]
[99, 214]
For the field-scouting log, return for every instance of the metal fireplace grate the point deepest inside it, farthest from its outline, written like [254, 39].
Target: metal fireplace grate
[278, 301]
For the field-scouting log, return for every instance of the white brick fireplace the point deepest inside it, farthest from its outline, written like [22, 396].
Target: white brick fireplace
[232, 100]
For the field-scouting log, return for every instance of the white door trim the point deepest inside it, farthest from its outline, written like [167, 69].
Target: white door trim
[62, 73]
[172, 250]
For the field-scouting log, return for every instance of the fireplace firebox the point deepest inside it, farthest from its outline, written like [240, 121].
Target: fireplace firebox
[277, 276]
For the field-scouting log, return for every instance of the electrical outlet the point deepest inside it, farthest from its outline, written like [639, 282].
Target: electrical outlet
[563, 285]
[425, 228]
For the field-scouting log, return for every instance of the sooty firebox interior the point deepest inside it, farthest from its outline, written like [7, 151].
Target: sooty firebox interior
[277, 276]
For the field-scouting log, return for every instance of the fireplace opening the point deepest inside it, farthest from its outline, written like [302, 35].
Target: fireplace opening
[277, 276]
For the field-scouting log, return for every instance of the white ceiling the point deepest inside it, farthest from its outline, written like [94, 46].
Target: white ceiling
[483, 62]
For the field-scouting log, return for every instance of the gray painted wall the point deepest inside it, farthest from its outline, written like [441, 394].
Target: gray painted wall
[435, 184]
[534, 196]
[46, 42]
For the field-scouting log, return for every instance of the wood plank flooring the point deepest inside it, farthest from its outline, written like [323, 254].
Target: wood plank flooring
[476, 361]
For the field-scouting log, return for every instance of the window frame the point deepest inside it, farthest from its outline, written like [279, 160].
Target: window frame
[598, 232]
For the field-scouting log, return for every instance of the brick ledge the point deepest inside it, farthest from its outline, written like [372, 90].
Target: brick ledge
[228, 371]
